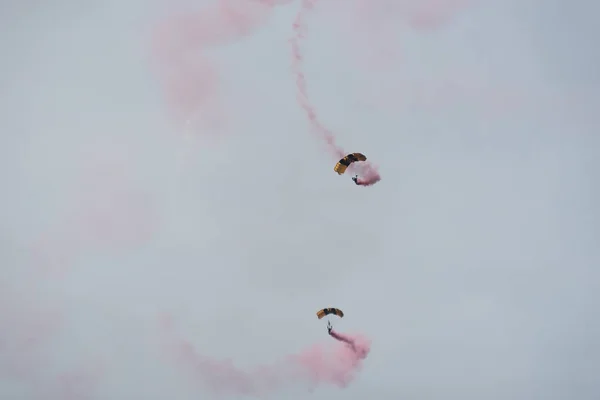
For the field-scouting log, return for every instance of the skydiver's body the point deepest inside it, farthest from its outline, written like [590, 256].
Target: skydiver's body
[356, 181]
[329, 327]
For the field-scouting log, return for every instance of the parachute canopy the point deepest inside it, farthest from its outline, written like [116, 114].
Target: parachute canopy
[327, 311]
[345, 162]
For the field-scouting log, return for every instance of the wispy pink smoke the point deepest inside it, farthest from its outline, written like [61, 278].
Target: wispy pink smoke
[338, 367]
[372, 34]
[188, 73]
[336, 364]
[427, 14]
[369, 172]
[81, 383]
[28, 328]
[106, 210]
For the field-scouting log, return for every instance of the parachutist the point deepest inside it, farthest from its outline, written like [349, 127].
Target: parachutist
[355, 179]
[327, 311]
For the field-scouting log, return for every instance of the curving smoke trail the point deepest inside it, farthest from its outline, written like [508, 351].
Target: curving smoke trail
[316, 366]
[369, 173]
[191, 81]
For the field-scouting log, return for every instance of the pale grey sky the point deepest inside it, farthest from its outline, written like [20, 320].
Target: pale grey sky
[472, 265]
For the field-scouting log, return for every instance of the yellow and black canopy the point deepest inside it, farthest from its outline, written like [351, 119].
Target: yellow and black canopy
[327, 311]
[345, 162]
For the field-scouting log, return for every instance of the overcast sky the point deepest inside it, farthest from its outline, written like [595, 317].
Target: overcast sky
[472, 266]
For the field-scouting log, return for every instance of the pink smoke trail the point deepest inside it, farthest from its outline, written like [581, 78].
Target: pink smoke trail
[370, 175]
[105, 209]
[189, 76]
[29, 327]
[372, 28]
[80, 383]
[341, 337]
[424, 14]
[335, 365]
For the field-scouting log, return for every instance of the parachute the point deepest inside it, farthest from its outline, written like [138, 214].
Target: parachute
[345, 162]
[327, 311]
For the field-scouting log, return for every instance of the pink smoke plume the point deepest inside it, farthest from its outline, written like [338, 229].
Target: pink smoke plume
[29, 327]
[371, 30]
[370, 174]
[319, 365]
[107, 210]
[189, 76]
